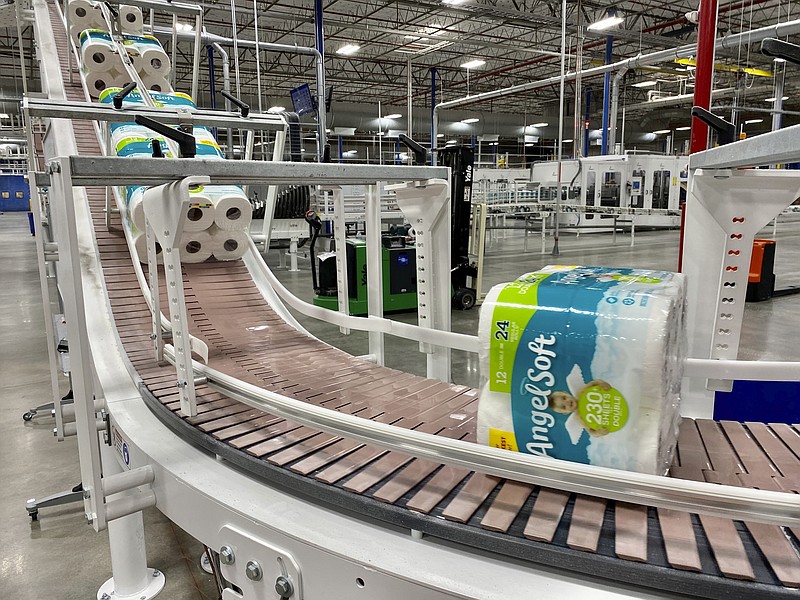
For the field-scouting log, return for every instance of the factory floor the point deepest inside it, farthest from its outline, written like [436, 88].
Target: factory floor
[60, 556]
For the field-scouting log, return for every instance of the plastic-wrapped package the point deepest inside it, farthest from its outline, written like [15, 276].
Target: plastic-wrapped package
[584, 364]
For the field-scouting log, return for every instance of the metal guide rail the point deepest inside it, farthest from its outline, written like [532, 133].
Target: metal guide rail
[613, 540]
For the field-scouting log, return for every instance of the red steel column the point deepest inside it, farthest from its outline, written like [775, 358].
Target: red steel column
[704, 74]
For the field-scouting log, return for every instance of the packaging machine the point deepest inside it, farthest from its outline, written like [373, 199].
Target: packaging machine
[315, 474]
[648, 189]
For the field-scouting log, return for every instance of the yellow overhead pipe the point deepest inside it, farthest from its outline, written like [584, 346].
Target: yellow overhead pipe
[690, 62]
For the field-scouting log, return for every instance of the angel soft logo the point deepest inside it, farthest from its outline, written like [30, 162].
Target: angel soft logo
[538, 383]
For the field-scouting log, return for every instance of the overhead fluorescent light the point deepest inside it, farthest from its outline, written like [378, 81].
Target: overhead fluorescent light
[529, 144]
[473, 64]
[542, 124]
[773, 99]
[348, 49]
[381, 133]
[684, 128]
[470, 120]
[4, 116]
[453, 2]
[606, 23]
[350, 153]
[393, 116]
[660, 131]
[439, 135]
[644, 84]
[567, 141]
[778, 59]
[452, 141]
[276, 109]
[753, 121]
[184, 27]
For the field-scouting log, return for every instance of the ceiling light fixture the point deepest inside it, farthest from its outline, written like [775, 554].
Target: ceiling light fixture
[773, 99]
[644, 84]
[4, 116]
[453, 2]
[183, 27]
[753, 121]
[276, 109]
[393, 116]
[612, 20]
[470, 120]
[684, 128]
[567, 141]
[660, 131]
[439, 135]
[542, 124]
[348, 49]
[473, 64]
[451, 142]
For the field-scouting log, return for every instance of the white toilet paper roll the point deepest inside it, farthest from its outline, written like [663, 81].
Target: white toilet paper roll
[140, 243]
[156, 83]
[84, 14]
[131, 19]
[200, 214]
[135, 195]
[233, 210]
[96, 82]
[228, 245]
[584, 364]
[154, 62]
[98, 53]
[195, 246]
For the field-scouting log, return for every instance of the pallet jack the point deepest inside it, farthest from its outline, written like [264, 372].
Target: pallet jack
[399, 257]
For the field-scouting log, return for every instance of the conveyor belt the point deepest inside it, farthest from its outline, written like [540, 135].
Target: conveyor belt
[679, 552]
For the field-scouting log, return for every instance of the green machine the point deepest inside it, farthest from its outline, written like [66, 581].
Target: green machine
[399, 274]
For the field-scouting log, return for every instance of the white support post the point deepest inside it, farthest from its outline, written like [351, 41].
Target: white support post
[426, 205]
[272, 191]
[724, 211]
[71, 287]
[340, 242]
[293, 255]
[374, 267]
[52, 353]
[165, 209]
[131, 579]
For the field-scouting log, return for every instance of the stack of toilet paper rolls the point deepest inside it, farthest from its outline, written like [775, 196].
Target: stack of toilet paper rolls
[218, 217]
[584, 364]
[103, 68]
[85, 14]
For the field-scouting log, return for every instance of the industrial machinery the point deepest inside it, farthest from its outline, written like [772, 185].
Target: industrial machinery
[399, 272]
[648, 188]
[314, 474]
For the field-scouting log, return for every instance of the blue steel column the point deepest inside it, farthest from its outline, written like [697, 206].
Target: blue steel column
[341, 152]
[433, 104]
[586, 118]
[320, 45]
[606, 95]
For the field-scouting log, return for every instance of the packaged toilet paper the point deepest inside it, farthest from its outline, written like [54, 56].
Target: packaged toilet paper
[98, 52]
[584, 364]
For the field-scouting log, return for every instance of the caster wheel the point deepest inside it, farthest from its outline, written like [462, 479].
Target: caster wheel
[464, 299]
[28, 416]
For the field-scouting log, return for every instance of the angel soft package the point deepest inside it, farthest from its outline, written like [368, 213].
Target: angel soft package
[584, 364]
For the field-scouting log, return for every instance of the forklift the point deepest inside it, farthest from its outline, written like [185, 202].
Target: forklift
[399, 254]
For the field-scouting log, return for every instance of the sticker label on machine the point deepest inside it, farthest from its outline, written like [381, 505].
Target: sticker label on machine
[121, 447]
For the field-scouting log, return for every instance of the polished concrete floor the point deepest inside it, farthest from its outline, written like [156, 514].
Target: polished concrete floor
[60, 556]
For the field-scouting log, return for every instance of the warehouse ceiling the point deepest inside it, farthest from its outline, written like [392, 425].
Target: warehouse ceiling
[519, 40]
